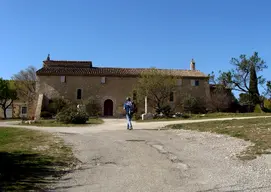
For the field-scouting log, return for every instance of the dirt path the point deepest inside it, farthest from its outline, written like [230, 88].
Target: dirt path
[168, 160]
[117, 124]
[148, 160]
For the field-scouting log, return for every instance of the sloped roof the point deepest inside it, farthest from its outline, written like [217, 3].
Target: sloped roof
[77, 68]
[64, 63]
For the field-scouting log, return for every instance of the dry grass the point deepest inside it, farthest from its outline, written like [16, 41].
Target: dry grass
[228, 115]
[31, 160]
[208, 116]
[258, 131]
[53, 123]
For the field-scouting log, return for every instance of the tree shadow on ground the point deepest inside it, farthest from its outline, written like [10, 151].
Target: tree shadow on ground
[23, 172]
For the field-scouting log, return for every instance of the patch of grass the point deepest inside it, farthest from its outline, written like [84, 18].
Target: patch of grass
[258, 131]
[209, 116]
[15, 119]
[31, 160]
[229, 115]
[53, 123]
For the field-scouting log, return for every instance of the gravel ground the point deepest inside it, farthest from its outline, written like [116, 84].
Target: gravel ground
[148, 160]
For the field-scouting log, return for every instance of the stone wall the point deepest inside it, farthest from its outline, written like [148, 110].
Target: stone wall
[114, 88]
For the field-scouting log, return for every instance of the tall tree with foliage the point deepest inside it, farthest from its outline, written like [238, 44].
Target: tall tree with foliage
[25, 83]
[268, 89]
[244, 77]
[253, 82]
[7, 96]
[157, 86]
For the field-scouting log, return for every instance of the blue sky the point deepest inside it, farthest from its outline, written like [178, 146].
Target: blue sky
[133, 33]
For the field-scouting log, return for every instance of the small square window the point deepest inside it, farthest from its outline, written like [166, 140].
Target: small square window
[195, 82]
[63, 79]
[192, 82]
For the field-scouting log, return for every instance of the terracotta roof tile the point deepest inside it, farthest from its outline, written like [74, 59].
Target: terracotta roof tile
[85, 68]
[107, 71]
[63, 63]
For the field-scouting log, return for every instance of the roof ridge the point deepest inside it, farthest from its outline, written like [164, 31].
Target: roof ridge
[68, 61]
[142, 68]
[107, 71]
[129, 68]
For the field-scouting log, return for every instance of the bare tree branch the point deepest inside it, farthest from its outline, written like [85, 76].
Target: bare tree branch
[25, 83]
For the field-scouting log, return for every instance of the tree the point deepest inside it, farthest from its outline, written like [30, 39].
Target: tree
[57, 104]
[268, 90]
[25, 83]
[253, 85]
[193, 104]
[190, 103]
[93, 108]
[157, 85]
[7, 96]
[245, 99]
[222, 97]
[244, 77]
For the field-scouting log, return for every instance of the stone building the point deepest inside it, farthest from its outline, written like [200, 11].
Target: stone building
[17, 109]
[79, 80]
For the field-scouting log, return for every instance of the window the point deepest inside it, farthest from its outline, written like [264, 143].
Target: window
[134, 95]
[63, 79]
[195, 82]
[171, 97]
[79, 94]
[24, 110]
[103, 80]
[179, 82]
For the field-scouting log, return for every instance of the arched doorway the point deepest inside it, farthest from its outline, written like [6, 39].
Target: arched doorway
[108, 107]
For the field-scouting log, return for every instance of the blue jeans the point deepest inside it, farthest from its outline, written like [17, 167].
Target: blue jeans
[129, 121]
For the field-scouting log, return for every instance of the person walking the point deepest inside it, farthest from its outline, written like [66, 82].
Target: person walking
[129, 109]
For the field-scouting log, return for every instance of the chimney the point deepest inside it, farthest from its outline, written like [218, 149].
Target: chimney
[48, 57]
[47, 60]
[192, 65]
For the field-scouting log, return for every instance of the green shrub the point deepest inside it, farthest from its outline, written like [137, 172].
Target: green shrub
[46, 114]
[257, 109]
[165, 110]
[137, 116]
[185, 116]
[93, 108]
[193, 105]
[56, 105]
[267, 106]
[72, 115]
